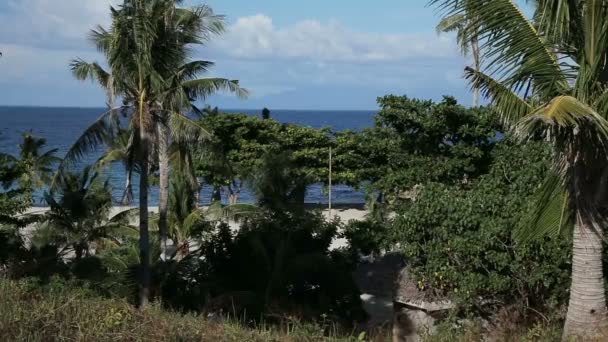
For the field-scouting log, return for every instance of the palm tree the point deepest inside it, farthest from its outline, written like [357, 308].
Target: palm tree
[79, 216]
[35, 167]
[185, 221]
[182, 88]
[469, 43]
[147, 49]
[123, 148]
[547, 77]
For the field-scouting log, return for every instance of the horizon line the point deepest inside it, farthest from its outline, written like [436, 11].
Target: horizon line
[224, 109]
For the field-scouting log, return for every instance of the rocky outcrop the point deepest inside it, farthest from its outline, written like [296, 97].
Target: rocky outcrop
[415, 311]
[392, 297]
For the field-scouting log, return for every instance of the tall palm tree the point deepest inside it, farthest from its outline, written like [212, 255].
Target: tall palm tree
[548, 78]
[469, 43]
[182, 86]
[147, 50]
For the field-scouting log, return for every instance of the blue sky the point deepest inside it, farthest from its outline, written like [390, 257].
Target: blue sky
[313, 54]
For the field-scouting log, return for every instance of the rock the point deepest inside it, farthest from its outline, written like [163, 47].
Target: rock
[415, 311]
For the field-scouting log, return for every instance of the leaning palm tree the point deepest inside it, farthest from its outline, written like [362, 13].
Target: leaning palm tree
[547, 77]
[123, 149]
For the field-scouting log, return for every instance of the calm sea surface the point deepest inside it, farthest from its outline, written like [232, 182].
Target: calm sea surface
[62, 126]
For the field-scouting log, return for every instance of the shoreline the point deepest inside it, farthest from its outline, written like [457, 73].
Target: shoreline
[344, 213]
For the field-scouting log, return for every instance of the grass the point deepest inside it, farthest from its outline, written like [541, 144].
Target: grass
[62, 312]
[58, 313]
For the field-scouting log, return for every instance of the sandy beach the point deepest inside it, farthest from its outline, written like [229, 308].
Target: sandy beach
[343, 213]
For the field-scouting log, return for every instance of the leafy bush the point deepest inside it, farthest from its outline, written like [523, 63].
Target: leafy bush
[368, 237]
[459, 239]
[275, 265]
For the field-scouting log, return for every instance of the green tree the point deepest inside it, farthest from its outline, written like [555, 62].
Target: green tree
[35, 167]
[186, 222]
[79, 216]
[415, 142]
[459, 240]
[241, 142]
[147, 49]
[123, 149]
[547, 78]
[14, 200]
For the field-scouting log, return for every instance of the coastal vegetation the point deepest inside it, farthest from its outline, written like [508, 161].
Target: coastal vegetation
[498, 209]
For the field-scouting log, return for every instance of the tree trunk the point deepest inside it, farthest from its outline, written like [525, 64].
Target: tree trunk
[163, 201]
[477, 66]
[127, 196]
[144, 238]
[587, 313]
[197, 196]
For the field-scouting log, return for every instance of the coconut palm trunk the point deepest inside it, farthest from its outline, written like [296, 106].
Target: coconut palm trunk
[587, 304]
[127, 196]
[163, 203]
[144, 235]
[477, 66]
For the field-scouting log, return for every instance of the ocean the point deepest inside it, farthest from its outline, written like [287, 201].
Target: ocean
[62, 126]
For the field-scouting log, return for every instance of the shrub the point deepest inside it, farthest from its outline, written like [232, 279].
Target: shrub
[276, 265]
[368, 237]
[459, 239]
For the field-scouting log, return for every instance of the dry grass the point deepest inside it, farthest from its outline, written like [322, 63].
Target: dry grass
[61, 314]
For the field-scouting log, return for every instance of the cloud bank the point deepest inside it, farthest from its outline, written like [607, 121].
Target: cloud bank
[308, 63]
[256, 37]
[52, 24]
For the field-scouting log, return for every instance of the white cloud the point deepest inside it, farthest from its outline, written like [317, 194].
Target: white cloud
[256, 37]
[51, 23]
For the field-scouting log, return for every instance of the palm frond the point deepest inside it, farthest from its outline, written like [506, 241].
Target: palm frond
[513, 49]
[109, 157]
[205, 87]
[219, 212]
[510, 106]
[83, 71]
[566, 113]
[186, 130]
[125, 216]
[96, 134]
[559, 19]
[551, 215]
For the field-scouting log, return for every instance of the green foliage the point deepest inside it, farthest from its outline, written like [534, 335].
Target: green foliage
[460, 240]
[61, 311]
[21, 175]
[369, 237]
[79, 215]
[241, 141]
[13, 201]
[415, 142]
[276, 264]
